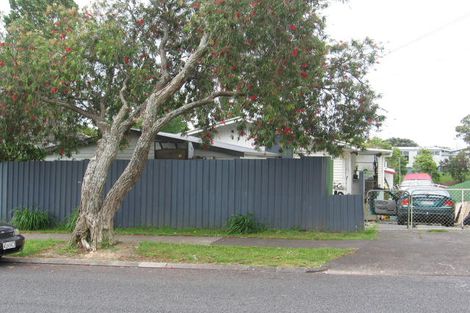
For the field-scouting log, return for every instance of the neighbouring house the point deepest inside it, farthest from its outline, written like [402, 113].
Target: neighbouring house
[439, 154]
[173, 146]
[345, 167]
[454, 153]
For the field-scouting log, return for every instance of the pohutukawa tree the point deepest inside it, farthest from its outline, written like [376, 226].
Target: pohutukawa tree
[267, 61]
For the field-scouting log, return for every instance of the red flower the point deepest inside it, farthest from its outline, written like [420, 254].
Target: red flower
[62, 36]
[233, 67]
[293, 27]
[2, 63]
[57, 24]
[61, 151]
[300, 110]
[140, 22]
[14, 98]
[304, 74]
[253, 98]
[305, 65]
[196, 5]
[68, 49]
[295, 52]
[127, 59]
[250, 86]
[286, 130]
[2, 44]
[54, 90]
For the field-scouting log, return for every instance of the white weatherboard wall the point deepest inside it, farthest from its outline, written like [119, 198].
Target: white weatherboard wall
[343, 169]
[229, 134]
[339, 175]
[87, 152]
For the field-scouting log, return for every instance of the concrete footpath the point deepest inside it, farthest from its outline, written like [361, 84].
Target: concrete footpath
[396, 252]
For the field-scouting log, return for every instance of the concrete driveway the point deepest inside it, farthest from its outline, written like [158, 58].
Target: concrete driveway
[410, 252]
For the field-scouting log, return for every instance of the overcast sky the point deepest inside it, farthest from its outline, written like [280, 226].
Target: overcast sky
[424, 76]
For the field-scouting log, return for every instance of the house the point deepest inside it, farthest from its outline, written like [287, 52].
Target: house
[228, 144]
[173, 146]
[346, 167]
[439, 154]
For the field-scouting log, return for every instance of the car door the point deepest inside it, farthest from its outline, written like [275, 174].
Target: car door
[383, 202]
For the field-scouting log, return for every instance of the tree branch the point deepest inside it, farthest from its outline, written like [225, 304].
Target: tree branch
[193, 105]
[92, 116]
[163, 58]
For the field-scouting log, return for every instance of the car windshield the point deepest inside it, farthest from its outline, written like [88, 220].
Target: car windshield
[433, 192]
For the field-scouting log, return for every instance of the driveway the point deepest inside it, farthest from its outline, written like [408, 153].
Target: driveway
[406, 252]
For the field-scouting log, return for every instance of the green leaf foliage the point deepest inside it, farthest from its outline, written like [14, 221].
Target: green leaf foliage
[297, 86]
[458, 166]
[401, 142]
[424, 163]
[398, 162]
[463, 130]
[31, 219]
[244, 224]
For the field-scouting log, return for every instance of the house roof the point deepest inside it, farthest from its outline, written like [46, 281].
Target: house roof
[220, 144]
[417, 176]
[374, 151]
[424, 148]
[226, 122]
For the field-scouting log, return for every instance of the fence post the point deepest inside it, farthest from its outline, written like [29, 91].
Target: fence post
[461, 207]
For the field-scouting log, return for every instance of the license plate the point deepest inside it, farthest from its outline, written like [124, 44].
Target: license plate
[427, 203]
[9, 245]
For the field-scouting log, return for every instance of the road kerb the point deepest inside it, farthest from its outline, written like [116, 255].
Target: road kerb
[160, 265]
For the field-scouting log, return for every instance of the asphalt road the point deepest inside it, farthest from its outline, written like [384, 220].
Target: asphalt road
[46, 288]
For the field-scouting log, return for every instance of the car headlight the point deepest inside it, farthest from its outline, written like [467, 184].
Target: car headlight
[16, 232]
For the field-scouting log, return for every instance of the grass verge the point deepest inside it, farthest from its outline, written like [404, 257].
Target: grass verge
[368, 234]
[254, 256]
[37, 246]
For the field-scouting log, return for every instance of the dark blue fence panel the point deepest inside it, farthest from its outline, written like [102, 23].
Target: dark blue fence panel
[282, 193]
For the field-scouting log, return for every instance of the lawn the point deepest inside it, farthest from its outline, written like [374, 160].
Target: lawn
[37, 246]
[464, 185]
[368, 234]
[253, 256]
[188, 253]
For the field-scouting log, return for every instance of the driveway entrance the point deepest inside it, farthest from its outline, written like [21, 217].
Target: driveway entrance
[423, 251]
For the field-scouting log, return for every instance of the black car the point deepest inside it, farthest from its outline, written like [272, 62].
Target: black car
[10, 240]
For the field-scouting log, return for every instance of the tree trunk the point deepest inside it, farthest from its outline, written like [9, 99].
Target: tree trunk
[89, 229]
[127, 180]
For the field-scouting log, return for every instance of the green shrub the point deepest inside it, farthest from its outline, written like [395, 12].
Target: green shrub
[31, 219]
[244, 224]
[72, 220]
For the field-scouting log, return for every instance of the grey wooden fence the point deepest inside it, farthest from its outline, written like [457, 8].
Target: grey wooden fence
[282, 193]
